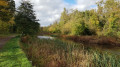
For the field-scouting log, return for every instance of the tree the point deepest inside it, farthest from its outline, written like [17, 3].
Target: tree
[54, 28]
[112, 16]
[94, 22]
[112, 27]
[64, 17]
[25, 19]
[103, 21]
[7, 9]
[101, 14]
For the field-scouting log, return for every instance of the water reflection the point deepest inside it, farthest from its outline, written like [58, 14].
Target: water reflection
[45, 37]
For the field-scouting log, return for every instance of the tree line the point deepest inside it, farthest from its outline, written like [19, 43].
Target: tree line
[7, 9]
[102, 21]
[21, 20]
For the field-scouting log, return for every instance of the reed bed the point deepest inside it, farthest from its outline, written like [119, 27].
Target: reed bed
[57, 53]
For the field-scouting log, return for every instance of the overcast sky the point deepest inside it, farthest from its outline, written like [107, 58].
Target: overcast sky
[47, 11]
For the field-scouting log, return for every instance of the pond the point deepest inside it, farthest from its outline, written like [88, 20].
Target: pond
[114, 50]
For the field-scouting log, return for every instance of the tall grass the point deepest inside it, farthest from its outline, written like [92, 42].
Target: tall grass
[56, 53]
[105, 60]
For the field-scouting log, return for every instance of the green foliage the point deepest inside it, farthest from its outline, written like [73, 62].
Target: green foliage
[94, 24]
[4, 27]
[64, 17]
[54, 28]
[13, 56]
[25, 19]
[73, 24]
[104, 21]
[7, 9]
[66, 29]
[80, 28]
[112, 25]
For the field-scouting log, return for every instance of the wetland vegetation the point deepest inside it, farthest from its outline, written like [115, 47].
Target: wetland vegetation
[58, 53]
[89, 38]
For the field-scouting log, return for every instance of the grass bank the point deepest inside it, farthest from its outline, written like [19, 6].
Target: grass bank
[56, 53]
[12, 55]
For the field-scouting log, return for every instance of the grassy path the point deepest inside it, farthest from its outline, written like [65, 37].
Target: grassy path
[4, 39]
[12, 55]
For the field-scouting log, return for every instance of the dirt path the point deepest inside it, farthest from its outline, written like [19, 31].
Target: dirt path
[4, 40]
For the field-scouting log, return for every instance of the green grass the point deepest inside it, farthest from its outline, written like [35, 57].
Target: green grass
[12, 55]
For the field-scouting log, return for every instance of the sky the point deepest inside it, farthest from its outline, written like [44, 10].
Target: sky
[48, 11]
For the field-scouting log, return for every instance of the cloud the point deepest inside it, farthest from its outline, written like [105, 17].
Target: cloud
[47, 11]
[85, 4]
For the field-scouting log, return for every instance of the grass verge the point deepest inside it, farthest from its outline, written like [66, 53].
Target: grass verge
[12, 55]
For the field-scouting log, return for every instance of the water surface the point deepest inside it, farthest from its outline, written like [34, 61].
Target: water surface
[45, 37]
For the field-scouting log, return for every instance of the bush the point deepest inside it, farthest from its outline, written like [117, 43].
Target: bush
[4, 27]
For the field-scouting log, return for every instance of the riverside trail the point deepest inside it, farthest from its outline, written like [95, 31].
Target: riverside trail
[4, 40]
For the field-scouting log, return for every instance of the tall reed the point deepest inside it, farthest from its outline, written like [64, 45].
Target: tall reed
[57, 53]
